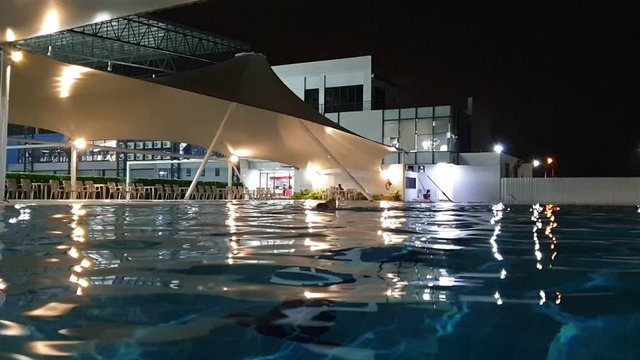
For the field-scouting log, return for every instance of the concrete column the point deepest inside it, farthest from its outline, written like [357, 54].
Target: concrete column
[74, 170]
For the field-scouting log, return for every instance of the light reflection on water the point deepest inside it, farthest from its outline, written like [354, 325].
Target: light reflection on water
[388, 281]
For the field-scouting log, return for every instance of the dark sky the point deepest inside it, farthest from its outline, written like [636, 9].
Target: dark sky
[561, 78]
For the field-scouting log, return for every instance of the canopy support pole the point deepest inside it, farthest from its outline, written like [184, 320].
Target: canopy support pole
[5, 81]
[364, 191]
[74, 170]
[192, 187]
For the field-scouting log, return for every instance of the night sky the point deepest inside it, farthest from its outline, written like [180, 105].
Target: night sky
[560, 78]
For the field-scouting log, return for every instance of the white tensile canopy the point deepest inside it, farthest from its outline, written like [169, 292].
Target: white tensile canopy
[267, 120]
[21, 19]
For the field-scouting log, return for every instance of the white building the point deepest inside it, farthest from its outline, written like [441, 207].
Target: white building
[347, 92]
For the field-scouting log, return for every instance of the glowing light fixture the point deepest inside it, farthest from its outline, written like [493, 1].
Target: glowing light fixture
[498, 148]
[233, 158]
[17, 56]
[9, 35]
[549, 161]
[536, 163]
[80, 143]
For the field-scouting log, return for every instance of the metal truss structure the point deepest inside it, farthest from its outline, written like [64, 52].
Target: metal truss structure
[135, 46]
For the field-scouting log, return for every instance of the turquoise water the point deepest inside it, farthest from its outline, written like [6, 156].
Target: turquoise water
[270, 280]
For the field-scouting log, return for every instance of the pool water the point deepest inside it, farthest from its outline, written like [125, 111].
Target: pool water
[271, 280]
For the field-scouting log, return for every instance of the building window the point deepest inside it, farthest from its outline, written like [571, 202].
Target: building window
[343, 98]
[217, 172]
[188, 172]
[312, 97]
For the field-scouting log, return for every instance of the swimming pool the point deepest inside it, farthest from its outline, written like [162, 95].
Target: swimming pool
[268, 280]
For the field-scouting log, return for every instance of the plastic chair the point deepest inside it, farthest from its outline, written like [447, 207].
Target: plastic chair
[12, 189]
[25, 189]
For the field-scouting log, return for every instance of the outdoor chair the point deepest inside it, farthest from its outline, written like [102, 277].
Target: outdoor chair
[25, 189]
[90, 190]
[57, 191]
[12, 189]
[208, 192]
[80, 191]
[141, 193]
[176, 192]
[168, 191]
[159, 191]
[113, 190]
[351, 194]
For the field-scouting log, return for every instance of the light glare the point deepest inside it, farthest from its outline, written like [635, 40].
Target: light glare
[9, 35]
[498, 148]
[80, 143]
[17, 56]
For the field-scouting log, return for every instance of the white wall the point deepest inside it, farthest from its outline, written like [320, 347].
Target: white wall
[583, 191]
[460, 183]
[328, 73]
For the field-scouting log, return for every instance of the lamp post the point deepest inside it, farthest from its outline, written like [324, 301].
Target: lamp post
[535, 164]
[549, 161]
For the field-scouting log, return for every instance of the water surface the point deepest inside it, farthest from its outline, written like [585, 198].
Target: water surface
[268, 280]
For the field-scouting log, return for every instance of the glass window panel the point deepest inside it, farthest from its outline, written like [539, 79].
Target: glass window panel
[148, 144]
[424, 126]
[425, 157]
[391, 159]
[425, 112]
[408, 134]
[410, 158]
[425, 143]
[443, 110]
[441, 125]
[390, 131]
[139, 145]
[409, 113]
[392, 114]
[442, 157]
[130, 156]
[441, 135]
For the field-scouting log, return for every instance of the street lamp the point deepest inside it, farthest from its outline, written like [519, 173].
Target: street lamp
[536, 163]
[551, 162]
[498, 148]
